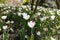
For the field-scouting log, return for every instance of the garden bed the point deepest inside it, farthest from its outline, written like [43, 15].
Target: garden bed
[20, 23]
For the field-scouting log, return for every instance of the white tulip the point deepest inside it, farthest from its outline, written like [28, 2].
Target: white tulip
[12, 22]
[52, 38]
[45, 29]
[19, 14]
[43, 18]
[26, 36]
[25, 16]
[31, 24]
[4, 17]
[52, 17]
[5, 27]
[38, 33]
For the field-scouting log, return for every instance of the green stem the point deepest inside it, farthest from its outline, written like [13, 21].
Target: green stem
[5, 36]
[37, 2]
[32, 3]
[32, 36]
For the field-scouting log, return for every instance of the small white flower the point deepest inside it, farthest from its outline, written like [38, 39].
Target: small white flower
[52, 38]
[8, 22]
[9, 7]
[58, 12]
[4, 17]
[38, 33]
[25, 16]
[4, 12]
[20, 9]
[26, 36]
[5, 27]
[43, 18]
[24, 7]
[45, 29]
[31, 24]
[38, 14]
[5, 8]
[51, 12]
[52, 17]
[7, 11]
[19, 14]
[12, 22]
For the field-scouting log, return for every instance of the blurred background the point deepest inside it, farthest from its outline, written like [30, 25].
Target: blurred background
[44, 3]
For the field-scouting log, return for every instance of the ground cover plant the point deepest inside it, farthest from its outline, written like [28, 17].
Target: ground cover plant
[20, 23]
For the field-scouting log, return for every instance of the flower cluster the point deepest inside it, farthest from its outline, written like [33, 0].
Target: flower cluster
[44, 24]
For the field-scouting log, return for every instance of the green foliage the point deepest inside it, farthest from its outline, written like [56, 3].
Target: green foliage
[45, 22]
[25, 2]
